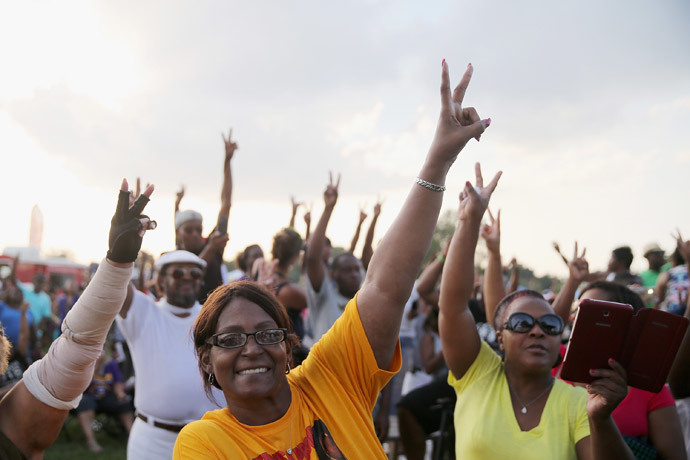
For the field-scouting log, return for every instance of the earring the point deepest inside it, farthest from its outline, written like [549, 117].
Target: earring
[288, 368]
[210, 379]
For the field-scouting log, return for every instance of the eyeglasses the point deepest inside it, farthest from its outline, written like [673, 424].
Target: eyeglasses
[522, 323]
[239, 339]
[194, 272]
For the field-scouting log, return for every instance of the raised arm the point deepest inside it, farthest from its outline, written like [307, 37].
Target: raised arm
[494, 287]
[32, 413]
[295, 206]
[397, 259]
[368, 249]
[355, 238]
[514, 281]
[226, 191]
[459, 338]
[426, 284]
[578, 271]
[307, 222]
[24, 332]
[316, 271]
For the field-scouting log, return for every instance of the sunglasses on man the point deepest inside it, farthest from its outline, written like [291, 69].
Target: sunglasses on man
[193, 272]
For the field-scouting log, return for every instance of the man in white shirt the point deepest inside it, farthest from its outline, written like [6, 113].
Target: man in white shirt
[168, 388]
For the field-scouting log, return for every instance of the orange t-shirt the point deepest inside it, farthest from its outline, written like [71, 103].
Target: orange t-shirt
[333, 394]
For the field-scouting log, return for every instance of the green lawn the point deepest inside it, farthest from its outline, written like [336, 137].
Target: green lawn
[71, 445]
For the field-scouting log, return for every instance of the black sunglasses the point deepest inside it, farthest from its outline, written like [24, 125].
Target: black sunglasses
[522, 323]
[239, 339]
[193, 272]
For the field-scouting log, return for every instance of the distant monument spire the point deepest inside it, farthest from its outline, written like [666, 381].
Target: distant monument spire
[36, 229]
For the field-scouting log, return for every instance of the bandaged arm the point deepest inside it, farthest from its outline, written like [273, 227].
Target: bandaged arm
[59, 379]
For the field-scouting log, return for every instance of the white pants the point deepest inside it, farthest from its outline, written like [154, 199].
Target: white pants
[147, 442]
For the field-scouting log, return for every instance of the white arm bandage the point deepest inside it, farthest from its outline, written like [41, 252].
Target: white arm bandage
[60, 378]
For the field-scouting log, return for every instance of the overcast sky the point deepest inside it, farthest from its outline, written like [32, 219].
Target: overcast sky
[589, 100]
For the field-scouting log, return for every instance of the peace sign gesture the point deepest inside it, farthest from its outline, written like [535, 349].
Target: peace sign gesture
[578, 266]
[230, 146]
[475, 200]
[492, 232]
[456, 125]
[330, 195]
[128, 226]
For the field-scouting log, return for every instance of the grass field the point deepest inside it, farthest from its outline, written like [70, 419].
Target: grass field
[71, 444]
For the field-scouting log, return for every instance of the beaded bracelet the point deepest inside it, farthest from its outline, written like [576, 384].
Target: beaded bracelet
[430, 186]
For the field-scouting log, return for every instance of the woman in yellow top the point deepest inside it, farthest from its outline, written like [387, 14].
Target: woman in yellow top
[514, 408]
[321, 409]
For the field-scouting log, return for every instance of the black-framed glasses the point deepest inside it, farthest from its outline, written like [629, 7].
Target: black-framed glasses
[239, 339]
[194, 272]
[522, 323]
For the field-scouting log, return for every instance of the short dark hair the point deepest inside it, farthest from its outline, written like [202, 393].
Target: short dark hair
[502, 307]
[207, 321]
[623, 255]
[337, 259]
[287, 244]
[618, 293]
[241, 258]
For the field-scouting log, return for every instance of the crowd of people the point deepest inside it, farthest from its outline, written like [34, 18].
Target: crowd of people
[312, 351]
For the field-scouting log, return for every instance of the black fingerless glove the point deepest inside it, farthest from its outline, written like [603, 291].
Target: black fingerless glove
[124, 240]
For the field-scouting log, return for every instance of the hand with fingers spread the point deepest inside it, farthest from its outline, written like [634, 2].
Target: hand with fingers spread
[683, 246]
[295, 205]
[377, 208]
[578, 269]
[456, 124]
[606, 392]
[491, 232]
[362, 215]
[330, 195]
[230, 145]
[578, 266]
[475, 200]
[128, 226]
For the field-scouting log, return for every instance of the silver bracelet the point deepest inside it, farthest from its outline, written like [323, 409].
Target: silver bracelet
[430, 186]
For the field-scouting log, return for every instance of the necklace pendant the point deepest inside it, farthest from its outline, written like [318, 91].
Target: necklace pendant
[523, 410]
[289, 451]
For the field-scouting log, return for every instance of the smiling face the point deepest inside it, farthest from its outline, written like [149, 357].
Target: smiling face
[252, 372]
[534, 350]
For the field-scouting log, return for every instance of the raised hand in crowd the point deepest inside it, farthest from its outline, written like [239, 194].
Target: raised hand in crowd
[578, 271]
[368, 249]
[33, 412]
[355, 238]
[295, 206]
[178, 197]
[226, 192]
[427, 284]
[457, 327]
[316, 269]
[494, 286]
[307, 222]
[557, 248]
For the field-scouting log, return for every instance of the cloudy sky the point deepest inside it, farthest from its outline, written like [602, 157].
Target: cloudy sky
[590, 103]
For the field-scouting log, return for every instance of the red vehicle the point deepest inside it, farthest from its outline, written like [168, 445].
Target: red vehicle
[56, 270]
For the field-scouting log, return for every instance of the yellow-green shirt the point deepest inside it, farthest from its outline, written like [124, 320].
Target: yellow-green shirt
[485, 423]
[333, 395]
